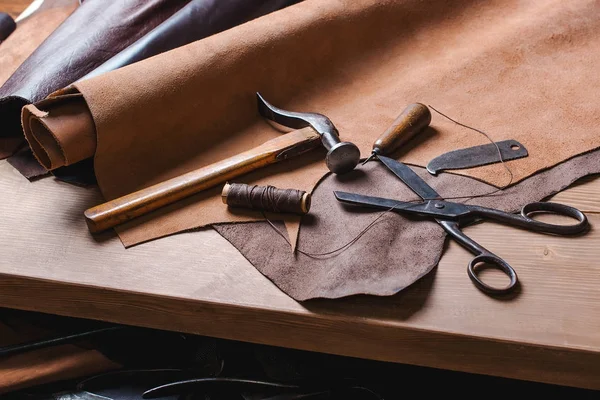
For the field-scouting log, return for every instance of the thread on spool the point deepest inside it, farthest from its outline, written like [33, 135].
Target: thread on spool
[266, 198]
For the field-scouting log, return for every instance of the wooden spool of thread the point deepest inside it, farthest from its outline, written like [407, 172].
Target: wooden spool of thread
[266, 198]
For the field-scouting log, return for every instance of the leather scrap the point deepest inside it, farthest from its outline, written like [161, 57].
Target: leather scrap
[45, 365]
[24, 161]
[102, 30]
[398, 250]
[493, 65]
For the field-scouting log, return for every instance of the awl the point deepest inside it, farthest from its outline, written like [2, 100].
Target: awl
[414, 119]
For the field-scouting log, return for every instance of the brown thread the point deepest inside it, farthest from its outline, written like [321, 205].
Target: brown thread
[368, 227]
[267, 198]
[348, 244]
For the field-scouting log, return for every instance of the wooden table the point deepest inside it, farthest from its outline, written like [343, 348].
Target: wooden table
[197, 282]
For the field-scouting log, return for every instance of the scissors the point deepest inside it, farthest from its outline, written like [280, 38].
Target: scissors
[451, 215]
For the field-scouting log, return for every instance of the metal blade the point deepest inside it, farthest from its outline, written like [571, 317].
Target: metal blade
[377, 202]
[430, 208]
[410, 178]
[477, 156]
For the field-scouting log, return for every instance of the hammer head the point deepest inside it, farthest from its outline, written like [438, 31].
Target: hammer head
[341, 157]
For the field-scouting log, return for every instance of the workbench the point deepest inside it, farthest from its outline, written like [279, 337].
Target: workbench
[197, 282]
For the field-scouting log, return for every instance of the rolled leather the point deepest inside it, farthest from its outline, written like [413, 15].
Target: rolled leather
[92, 34]
[197, 20]
[7, 26]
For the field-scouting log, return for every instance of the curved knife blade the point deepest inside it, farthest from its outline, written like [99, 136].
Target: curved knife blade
[477, 156]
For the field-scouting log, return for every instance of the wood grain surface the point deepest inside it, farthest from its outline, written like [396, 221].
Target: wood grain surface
[197, 282]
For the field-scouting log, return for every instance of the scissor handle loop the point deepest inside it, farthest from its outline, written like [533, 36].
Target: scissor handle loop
[497, 263]
[558, 209]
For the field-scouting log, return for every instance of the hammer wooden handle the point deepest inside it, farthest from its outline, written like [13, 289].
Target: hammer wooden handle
[413, 120]
[122, 209]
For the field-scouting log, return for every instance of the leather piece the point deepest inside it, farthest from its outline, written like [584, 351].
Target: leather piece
[197, 20]
[7, 26]
[102, 30]
[62, 136]
[30, 33]
[73, 139]
[44, 365]
[360, 63]
[24, 161]
[398, 250]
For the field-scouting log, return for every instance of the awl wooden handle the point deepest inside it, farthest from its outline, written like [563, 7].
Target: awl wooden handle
[413, 120]
[123, 209]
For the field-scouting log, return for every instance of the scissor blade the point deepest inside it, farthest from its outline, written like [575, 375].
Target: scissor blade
[410, 178]
[377, 202]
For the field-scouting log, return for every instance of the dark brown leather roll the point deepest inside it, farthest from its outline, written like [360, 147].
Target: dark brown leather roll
[197, 20]
[7, 26]
[94, 33]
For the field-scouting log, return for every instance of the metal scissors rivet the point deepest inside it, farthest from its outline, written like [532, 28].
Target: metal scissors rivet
[439, 205]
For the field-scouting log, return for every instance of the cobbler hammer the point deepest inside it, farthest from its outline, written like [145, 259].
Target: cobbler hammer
[341, 156]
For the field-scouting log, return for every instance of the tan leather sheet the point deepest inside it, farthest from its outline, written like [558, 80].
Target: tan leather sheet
[519, 70]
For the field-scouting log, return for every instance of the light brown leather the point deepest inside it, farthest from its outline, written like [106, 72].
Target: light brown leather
[63, 138]
[520, 70]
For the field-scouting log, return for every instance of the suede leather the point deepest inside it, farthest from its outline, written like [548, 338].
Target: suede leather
[195, 21]
[398, 250]
[520, 70]
[30, 33]
[101, 28]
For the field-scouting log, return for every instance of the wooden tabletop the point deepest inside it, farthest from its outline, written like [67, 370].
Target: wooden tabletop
[197, 282]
